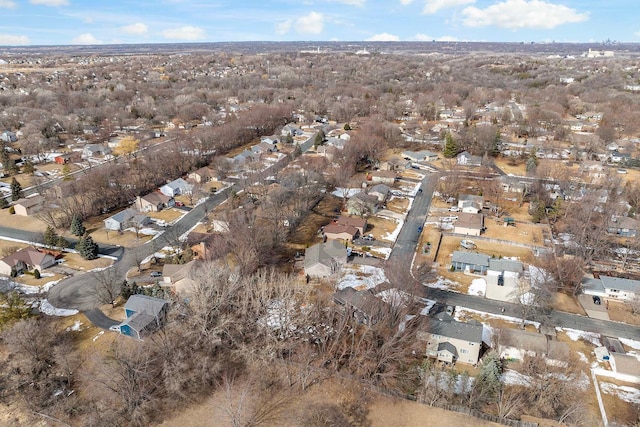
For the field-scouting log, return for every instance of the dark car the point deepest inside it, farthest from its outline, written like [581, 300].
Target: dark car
[597, 300]
[420, 229]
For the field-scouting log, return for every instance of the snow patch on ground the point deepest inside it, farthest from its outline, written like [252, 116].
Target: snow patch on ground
[462, 313]
[630, 343]
[76, 326]
[478, 287]
[394, 234]
[98, 336]
[441, 283]
[394, 297]
[383, 252]
[361, 277]
[626, 393]
[582, 357]
[428, 306]
[49, 310]
[576, 335]
[512, 377]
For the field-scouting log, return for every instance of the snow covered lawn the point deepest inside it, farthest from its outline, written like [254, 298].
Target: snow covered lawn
[478, 287]
[626, 393]
[361, 277]
[575, 335]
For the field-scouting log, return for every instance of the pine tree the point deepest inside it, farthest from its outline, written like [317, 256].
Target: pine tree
[16, 190]
[50, 236]
[87, 248]
[77, 228]
[450, 146]
[3, 203]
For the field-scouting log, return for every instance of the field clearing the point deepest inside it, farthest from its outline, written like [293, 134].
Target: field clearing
[306, 233]
[167, 215]
[124, 238]
[26, 223]
[7, 246]
[568, 303]
[621, 312]
[618, 411]
[28, 279]
[517, 169]
[398, 204]
[383, 410]
[529, 234]
[76, 262]
[450, 244]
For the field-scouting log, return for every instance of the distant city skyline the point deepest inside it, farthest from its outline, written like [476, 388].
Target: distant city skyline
[85, 22]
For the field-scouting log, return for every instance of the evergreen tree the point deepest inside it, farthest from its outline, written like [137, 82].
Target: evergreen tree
[319, 139]
[28, 168]
[487, 384]
[16, 190]
[87, 248]
[36, 274]
[3, 203]
[450, 146]
[77, 228]
[50, 236]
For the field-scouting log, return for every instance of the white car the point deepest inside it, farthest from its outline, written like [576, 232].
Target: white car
[454, 209]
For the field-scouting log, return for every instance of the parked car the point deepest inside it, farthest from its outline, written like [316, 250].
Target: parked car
[597, 300]
[368, 238]
[450, 309]
[179, 204]
[454, 209]
[155, 274]
[420, 229]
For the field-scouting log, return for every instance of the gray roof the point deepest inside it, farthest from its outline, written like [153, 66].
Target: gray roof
[124, 215]
[419, 154]
[621, 284]
[470, 258]
[179, 183]
[380, 188]
[138, 321]
[445, 326]
[472, 198]
[496, 264]
[324, 253]
[447, 346]
[592, 284]
[145, 304]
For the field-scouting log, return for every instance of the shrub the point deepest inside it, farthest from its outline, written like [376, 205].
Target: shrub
[12, 210]
[36, 274]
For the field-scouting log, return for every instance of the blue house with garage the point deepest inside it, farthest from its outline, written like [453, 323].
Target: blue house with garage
[145, 315]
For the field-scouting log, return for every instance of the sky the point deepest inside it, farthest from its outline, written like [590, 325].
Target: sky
[87, 22]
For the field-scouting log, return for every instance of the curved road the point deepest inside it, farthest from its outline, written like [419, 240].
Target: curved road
[405, 249]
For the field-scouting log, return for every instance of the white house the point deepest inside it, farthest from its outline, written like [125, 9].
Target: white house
[467, 159]
[611, 287]
[503, 279]
[176, 187]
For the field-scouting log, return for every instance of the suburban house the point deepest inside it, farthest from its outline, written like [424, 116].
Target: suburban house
[625, 366]
[381, 191]
[470, 261]
[95, 150]
[503, 279]
[420, 156]
[361, 204]
[154, 202]
[176, 187]
[611, 287]
[341, 232]
[263, 148]
[451, 341]
[512, 185]
[63, 159]
[515, 344]
[245, 157]
[470, 224]
[363, 305]
[202, 175]
[384, 177]
[324, 259]
[359, 223]
[26, 259]
[200, 244]
[145, 315]
[179, 276]
[466, 159]
[623, 226]
[394, 165]
[124, 219]
[618, 157]
[470, 203]
[28, 206]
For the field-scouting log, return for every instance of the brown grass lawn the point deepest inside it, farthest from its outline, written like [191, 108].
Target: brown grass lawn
[568, 303]
[437, 202]
[410, 173]
[126, 238]
[24, 179]
[167, 215]
[575, 346]
[27, 223]
[450, 244]
[621, 312]
[398, 204]
[632, 175]
[515, 211]
[383, 410]
[28, 279]
[522, 233]
[8, 247]
[519, 169]
[618, 411]
[306, 233]
[76, 262]
[379, 227]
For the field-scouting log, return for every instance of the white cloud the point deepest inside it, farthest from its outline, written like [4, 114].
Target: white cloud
[406, 2]
[426, 38]
[383, 37]
[187, 32]
[53, 3]
[350, 2]
[516, 14]
[86, 38]
[137, 29]
[284, 27]
[7, 4]
[13, 40]
[313, 23]
[434, 6]
[447, 39]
